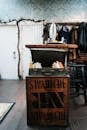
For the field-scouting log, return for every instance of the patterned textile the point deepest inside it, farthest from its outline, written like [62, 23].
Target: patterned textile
[4, 109]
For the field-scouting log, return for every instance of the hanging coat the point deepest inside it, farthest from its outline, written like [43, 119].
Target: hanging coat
[64, 33]
[45, 33]
[73, 35]
[82, 37]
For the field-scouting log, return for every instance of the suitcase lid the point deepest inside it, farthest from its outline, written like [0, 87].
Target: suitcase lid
[47, 56]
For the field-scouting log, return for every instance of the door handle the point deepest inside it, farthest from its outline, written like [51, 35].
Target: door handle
[14, 54]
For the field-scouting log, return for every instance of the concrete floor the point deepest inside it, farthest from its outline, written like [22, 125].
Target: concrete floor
[16, 119]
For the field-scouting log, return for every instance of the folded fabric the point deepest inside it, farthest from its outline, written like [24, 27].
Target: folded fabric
[37, 65]
[57, 64]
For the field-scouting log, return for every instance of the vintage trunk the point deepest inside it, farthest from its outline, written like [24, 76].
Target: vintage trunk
[47, 99]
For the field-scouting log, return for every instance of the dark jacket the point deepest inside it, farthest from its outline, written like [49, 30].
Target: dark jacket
[45, 33]
[82, 37]
[64, 32]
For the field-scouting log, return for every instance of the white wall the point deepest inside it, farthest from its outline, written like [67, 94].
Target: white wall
[30, 33]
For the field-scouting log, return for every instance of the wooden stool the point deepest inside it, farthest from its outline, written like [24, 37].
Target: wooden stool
[78, 79]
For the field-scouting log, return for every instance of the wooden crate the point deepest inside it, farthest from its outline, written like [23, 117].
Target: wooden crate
[47, 100]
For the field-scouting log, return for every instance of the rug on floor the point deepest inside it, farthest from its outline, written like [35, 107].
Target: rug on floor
[4, 109]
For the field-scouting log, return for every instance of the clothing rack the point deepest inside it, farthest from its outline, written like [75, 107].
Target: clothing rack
[67, 23]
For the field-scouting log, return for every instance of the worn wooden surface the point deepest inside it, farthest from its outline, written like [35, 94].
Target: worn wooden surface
[63, 46]
[47, 100]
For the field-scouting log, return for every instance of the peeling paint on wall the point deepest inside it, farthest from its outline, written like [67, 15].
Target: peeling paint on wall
[50, 10]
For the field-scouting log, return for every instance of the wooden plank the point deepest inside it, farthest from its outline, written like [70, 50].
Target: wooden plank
[65, 46]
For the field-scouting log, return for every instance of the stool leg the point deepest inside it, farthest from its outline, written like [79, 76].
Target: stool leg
[84, 85]
[85, 96]
[77, 89]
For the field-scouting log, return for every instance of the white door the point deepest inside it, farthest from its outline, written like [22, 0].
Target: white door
[31, 33]
[8, 52]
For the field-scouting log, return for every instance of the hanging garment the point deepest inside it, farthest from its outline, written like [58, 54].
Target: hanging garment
[65, 34]
[57, 32]
[52, 31]
[82, 37]
[74, 35]
[45, 33]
